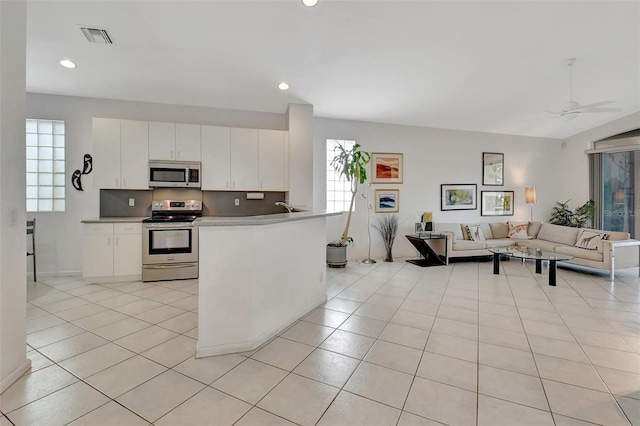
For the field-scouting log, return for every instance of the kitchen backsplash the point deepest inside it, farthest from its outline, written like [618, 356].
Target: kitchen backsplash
[115, 202]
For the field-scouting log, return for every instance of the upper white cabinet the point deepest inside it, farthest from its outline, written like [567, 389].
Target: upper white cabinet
[171, 141]
[272, 165]
[244, 159]
[216, 158]
[120, 153]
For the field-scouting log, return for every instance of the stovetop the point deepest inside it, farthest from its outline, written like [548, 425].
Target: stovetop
[174, 211]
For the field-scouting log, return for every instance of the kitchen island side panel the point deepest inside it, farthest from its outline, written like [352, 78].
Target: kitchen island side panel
[256, 280]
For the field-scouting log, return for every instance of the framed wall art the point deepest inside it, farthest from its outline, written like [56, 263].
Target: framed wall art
[496, 203]
[458, 197]
[387, 201]
[386, 167]
[492, 169]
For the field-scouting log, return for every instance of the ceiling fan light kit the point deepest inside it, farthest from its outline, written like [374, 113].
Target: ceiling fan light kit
[573, 109]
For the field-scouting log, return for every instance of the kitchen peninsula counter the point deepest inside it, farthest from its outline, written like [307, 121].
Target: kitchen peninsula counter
[258, 275]
[115, 219]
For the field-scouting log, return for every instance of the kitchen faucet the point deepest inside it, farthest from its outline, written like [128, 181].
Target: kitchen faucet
[286, 205]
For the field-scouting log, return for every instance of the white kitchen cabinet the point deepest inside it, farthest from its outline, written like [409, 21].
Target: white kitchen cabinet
[106, 153]
[97, 250]
[120, 154]
[162, 141]
[112, 251]
[134, 154]
[272, 167]
[188, 142]
[244, 159]
[216, 158]
[174, 142]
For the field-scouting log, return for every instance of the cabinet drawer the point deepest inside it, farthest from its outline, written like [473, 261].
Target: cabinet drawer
[98, 228]
[127, 228]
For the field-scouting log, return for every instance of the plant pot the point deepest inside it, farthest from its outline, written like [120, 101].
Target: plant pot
[336, 256]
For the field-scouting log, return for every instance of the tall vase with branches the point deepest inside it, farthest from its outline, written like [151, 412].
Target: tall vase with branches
[387, 226]
[351, 163]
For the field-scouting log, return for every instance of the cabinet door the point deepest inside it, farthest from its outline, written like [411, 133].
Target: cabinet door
[134, 154]
[127, 254]
[244, 159]
[97, 250]
[106, 153]
[162, 141]
[216, 158]
[187, 142]
[271, 160]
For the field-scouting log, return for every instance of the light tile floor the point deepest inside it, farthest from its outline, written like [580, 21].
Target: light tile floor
[394, 345]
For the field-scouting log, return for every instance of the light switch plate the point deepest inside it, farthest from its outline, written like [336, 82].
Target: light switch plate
[132, 202]
[237, 201]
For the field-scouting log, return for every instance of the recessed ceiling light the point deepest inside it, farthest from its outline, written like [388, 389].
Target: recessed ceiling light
[283, 86]
[309, 3]
[67, 63]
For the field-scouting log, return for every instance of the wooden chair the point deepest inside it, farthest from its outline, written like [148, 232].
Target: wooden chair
[31, 230]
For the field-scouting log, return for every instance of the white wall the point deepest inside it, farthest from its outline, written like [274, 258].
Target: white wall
[59, 235]
[438, 156]
[13, 359]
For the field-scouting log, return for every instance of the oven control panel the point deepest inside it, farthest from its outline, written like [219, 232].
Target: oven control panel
[174, 205]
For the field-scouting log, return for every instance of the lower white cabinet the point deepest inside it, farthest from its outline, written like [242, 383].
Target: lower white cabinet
[111, 251]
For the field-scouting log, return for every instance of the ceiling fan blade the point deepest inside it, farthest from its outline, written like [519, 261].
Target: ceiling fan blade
[553, 112]
[593, 105]
[594, 110]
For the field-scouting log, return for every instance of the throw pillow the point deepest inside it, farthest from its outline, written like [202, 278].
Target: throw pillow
[589, 240]
[475, 233]
[519, 230]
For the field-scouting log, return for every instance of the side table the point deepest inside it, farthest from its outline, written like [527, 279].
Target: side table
[432, 246]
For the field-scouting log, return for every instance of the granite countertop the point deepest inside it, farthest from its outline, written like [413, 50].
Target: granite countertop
[116, 219]
[266, 219]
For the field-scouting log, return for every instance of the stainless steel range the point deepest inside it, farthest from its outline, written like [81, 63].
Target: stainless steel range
[170, 241]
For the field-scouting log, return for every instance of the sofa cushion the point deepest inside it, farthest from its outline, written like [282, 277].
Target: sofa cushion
[558, 234]
[454, 228]
[469, 245]
[581, 253]
[590, 240]
[518, 230]
[499, 229]
[500, 242]
[541, 244]
[474, 232]
[534, 228]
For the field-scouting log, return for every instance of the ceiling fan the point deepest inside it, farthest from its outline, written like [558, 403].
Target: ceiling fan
[573, 109]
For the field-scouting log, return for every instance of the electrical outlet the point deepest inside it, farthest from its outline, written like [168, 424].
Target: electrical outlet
[237, 202]
[132, 202]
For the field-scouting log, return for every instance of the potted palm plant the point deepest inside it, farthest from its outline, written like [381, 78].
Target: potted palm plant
[350, 163]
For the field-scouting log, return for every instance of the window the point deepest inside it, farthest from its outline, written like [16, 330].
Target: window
[338, 188]
[45, 166]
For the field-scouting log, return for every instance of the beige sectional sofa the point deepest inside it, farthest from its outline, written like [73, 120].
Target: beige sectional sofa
[545, 236]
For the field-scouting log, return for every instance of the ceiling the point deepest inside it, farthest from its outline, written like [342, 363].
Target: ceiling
[476, 65]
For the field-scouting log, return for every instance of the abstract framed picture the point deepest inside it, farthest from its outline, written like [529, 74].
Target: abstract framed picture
[496, 203]
[386, 167]
[458, 197]
[492, 169]
[387, 201]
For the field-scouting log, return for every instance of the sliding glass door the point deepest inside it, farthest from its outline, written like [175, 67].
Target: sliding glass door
[618, 205]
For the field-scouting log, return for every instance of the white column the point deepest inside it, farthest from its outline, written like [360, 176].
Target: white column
[13, 276]
[300, 119]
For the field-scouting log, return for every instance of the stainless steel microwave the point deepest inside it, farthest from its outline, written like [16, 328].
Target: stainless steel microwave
[174, 174]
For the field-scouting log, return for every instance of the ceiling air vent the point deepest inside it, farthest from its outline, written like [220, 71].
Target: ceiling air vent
[97, 35]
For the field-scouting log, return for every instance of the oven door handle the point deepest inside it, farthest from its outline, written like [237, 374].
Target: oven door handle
[174, 266]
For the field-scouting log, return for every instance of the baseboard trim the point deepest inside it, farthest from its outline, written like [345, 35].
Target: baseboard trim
[263, 337]
[15, 375]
